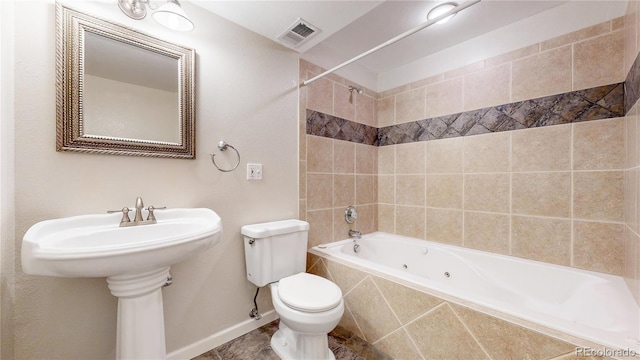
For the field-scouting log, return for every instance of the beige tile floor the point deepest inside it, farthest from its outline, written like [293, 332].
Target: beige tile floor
[255, 346]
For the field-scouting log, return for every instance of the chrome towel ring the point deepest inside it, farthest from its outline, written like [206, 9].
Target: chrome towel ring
[223, 147]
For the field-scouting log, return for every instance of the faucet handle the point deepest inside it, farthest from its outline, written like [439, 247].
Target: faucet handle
[125, 214]
[151, 216]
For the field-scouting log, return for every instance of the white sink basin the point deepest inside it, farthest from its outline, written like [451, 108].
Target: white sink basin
[96, 246]
[135, 260]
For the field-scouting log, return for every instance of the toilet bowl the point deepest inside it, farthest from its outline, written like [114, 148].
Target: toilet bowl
[309, 306]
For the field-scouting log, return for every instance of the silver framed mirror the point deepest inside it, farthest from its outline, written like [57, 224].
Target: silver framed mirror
[120, 91]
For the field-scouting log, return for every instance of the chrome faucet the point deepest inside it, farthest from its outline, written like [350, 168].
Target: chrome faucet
[355, 235]
[139, 207]
[137, 219]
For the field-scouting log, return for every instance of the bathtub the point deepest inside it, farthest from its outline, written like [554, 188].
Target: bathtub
[596, 307]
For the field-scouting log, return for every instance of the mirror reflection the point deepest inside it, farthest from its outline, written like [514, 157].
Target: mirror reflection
[129, 92]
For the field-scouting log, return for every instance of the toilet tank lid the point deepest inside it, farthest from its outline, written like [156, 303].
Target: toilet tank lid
[263, 230]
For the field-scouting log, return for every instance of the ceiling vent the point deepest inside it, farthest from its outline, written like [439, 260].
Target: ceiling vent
[298, 33]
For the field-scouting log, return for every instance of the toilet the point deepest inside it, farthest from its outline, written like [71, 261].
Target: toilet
[309, 306]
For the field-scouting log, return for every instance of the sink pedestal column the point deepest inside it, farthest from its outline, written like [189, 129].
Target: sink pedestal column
[140, 327]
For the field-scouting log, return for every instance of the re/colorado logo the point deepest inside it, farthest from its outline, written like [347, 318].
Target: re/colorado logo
[586, 351]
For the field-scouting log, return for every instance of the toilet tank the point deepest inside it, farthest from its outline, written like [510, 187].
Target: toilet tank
[275, 250]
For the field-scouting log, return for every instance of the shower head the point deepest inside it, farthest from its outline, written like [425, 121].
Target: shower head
[360, 91]
[351, 88]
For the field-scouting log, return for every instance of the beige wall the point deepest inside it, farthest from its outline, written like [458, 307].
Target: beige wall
[632, 163]
[7, 199]
[552, 194]
[246, 94]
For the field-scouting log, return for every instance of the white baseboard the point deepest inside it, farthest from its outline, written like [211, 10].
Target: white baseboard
[221, 337]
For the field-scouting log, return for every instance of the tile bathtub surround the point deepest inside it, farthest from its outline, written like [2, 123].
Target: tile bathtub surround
[409, 324]
[631, 165]
[339, 174]
[535, 185]
[460, 172]
[552, 194]
[339, 167]
[631, 202]
[519, 167]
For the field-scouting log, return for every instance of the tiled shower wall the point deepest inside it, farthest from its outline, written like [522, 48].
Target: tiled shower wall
[579, 60]
[552, 193]
[564, 194]
[334, 173]
[632, 146]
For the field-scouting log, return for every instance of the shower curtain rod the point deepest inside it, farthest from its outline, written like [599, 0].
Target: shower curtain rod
[393, 40]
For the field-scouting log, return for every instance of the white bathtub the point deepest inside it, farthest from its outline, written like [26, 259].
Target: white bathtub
[587, 305]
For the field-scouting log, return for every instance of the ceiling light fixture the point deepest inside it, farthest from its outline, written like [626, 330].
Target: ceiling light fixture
[441, 9]
[169, 15]
[172, 16]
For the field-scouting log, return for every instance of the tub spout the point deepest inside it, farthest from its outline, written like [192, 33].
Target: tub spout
[355, 235]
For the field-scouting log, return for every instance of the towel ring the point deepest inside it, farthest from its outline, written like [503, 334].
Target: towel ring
[223, 146]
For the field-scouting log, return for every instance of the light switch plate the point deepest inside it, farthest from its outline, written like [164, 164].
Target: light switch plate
[254, 171]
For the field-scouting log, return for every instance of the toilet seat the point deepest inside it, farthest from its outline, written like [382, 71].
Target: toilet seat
[309, 293]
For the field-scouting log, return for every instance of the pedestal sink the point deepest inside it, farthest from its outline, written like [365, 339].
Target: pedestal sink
[134, 259]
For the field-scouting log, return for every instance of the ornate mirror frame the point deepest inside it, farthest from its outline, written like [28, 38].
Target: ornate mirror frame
[70, 55]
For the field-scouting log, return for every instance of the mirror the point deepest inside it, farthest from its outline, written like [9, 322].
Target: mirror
[120, 91]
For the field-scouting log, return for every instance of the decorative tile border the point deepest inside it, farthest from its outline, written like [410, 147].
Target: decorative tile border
[592, 104]
[632, 85]
[321, 124]
[584, 105]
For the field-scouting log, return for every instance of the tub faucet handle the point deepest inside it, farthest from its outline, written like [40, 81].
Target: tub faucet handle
[350, 215]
